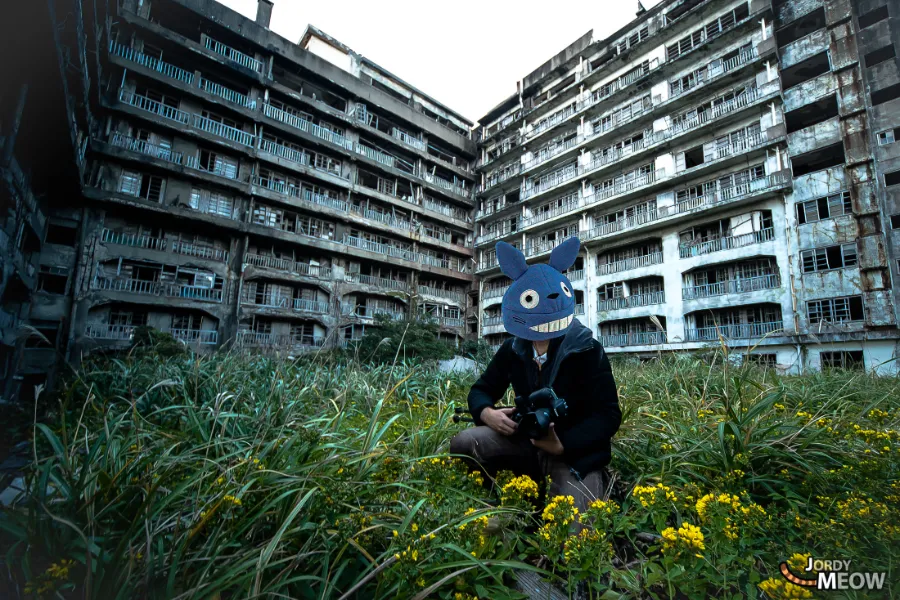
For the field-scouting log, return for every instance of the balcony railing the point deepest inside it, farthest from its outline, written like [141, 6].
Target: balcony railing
[223, 92]
[380, 248]
[220, 169]
[288, 266]
[381, 282]
[109, 331]
[370, 312]
[441, 293]
[646, 338]
[713, 72]
[548, 152]
[235, 55]
[633, 301]
[732, 286]
[741, 331]
[373, 154]
[408, 139]
[156, 288]
[499, 232]
[534, 248]
[497, 179]
[152, 63]
[152, 106]
[579, 309]
[307, 126]
[132, 239]
[278, 301]
[546, 215]
[196, 336]
[285, 152]
[445, 184]
[495, 292]
[224, 131]
[144, 147]
[576, 275]
[726, 243]
[550, 180]
[284, 341]
[312, 306]
[636, 262]
[443, 209]
[492, 321]
[382, 217]
[200, 251]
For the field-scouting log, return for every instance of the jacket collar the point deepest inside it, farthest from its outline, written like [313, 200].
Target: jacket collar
[577, 338]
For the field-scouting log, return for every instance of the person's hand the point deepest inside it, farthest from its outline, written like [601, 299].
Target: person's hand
[499, 419]
[550, 443]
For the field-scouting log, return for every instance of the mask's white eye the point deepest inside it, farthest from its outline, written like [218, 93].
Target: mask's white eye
[565, 289]
[529, 299]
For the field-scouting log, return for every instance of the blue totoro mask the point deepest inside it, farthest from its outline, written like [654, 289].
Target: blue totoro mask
[540, 303]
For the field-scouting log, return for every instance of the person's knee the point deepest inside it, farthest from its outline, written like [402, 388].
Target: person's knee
[463, 443]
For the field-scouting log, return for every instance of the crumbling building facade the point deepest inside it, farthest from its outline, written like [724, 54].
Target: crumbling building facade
[732, 170]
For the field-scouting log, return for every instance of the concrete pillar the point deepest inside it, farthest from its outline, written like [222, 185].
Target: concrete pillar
[263, 13]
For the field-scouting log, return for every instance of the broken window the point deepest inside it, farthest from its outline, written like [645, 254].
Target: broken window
[63, 235]
[873, 16]
[888, 137]
[53, 280]
[829, 257]
[130, 183]
[843, 359]
[817, 160]
[218, 164]
[211, 202]
[765, 361]
[805, 70]
[693, 157]
[826, 207]
[151, 188]
[879, 56]
[836, 310]
[121, 317]
[895, 221]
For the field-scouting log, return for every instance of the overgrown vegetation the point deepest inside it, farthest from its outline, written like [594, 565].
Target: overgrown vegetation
[389, 340]
[230, 476]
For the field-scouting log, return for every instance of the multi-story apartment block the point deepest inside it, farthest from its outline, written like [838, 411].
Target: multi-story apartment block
[239, 189]
[732, 170]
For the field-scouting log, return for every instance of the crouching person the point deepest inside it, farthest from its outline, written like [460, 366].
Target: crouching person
[550, 350]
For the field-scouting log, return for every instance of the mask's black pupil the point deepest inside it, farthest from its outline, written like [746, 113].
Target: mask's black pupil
[528, 298]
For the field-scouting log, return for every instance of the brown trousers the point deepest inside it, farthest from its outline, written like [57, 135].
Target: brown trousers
[492, 452]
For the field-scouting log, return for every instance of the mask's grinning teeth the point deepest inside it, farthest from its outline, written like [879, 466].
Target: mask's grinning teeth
[557, 325]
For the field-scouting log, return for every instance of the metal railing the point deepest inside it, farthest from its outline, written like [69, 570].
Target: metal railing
[196, 336]
[533, 248]
[223, 92]
[290, 154]
[376, 155]
[646, 338]
[132, 239]
[381, 282]
[312, 306]
[235, 55]
[288, 266]
[408, 139]
[307, 126]
[492, 321]
[576, 275]
[636, 262]
[152, 63]
[144, 147]
[382, 217]
[224, 131]
[445, 184]
[200, 251]
[441, 293]
[507, 173]
[549, 181]
[726, 243]
[633, 301]
[732, 286]
[547, 152]
[109, 331]
[370, 312]
[444, 209]
[495, 292]
[380, 248]
[713, 72]
[156, 288]
[556, 211]
[579, 309]
[273, 340]
[219, 169]
[152, 106]
[735, 331]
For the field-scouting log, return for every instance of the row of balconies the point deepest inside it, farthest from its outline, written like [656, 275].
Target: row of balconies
[157, 288]
[283, 302]
[744, 331]
[161, 244]
[117, 332]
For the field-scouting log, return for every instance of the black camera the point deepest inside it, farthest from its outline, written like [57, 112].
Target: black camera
[535, 413]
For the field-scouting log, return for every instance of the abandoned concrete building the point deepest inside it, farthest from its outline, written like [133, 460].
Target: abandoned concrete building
[732, 169]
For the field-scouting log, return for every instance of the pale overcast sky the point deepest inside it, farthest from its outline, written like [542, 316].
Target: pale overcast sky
[466, 54]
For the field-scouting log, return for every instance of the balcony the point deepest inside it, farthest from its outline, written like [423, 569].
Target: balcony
[715, 71]
[109, 331]
[296, 156]
[741, 331]
[497, 179]
[379, 282]
[287, 265]
[495, 292]
[156, 288]
[492, 321]
[576, 275]
[569, 205]
[408, 139]
[385, 218]
[386, 249]
[636, 262]
[726, 243]
[442, 293]
[449, 211]
[255, 339]
[370, 312]
[645, 338]
[498, 232]
[133, 240]
[152, 106]
[226, 93]
[443, 321]
[284, 302]
[143, 147]
[151, 63]
[380, 157]
[548, 152]
[218, 169]
[535, 248]
[224, 131]
[196, 336]
[633, 301]
[732, 286]
[307, 126]
[442, 183]
[549, 181]
[200, 251]
[235, 56]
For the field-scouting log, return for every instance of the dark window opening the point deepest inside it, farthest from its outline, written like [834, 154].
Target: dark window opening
[879, 56]
[64, 235]
[45, 335]
[892, 178]
[873, 16]
[766, 361]
[53, 280]
[808, 69]
[845, 359]
[826, 207]
[801, 27]
[886, 95]
[693, 157]
[823, 158]
[895, 221]
[811, 114]
[151, 188]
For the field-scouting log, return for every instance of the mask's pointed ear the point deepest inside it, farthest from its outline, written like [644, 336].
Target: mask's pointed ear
[512, 262]
[564, 255]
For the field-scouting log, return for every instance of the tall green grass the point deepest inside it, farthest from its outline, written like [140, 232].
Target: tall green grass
[229, 476]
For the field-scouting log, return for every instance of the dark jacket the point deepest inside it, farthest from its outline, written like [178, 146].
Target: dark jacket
[580, 373]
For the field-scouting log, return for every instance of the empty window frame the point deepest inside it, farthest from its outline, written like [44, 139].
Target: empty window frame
[63, 235]
[212, 203]
[149, 187]
[887, 94]
[818, 160]
[895, 221]
[888, 137]
[805, 70]
[840, 256]
[811, 114]
[843, 359]
[836, 310]
[53, 280]
[873, 16]
[892, 178]
[879, 56]
[812, 21]
[826, 207]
